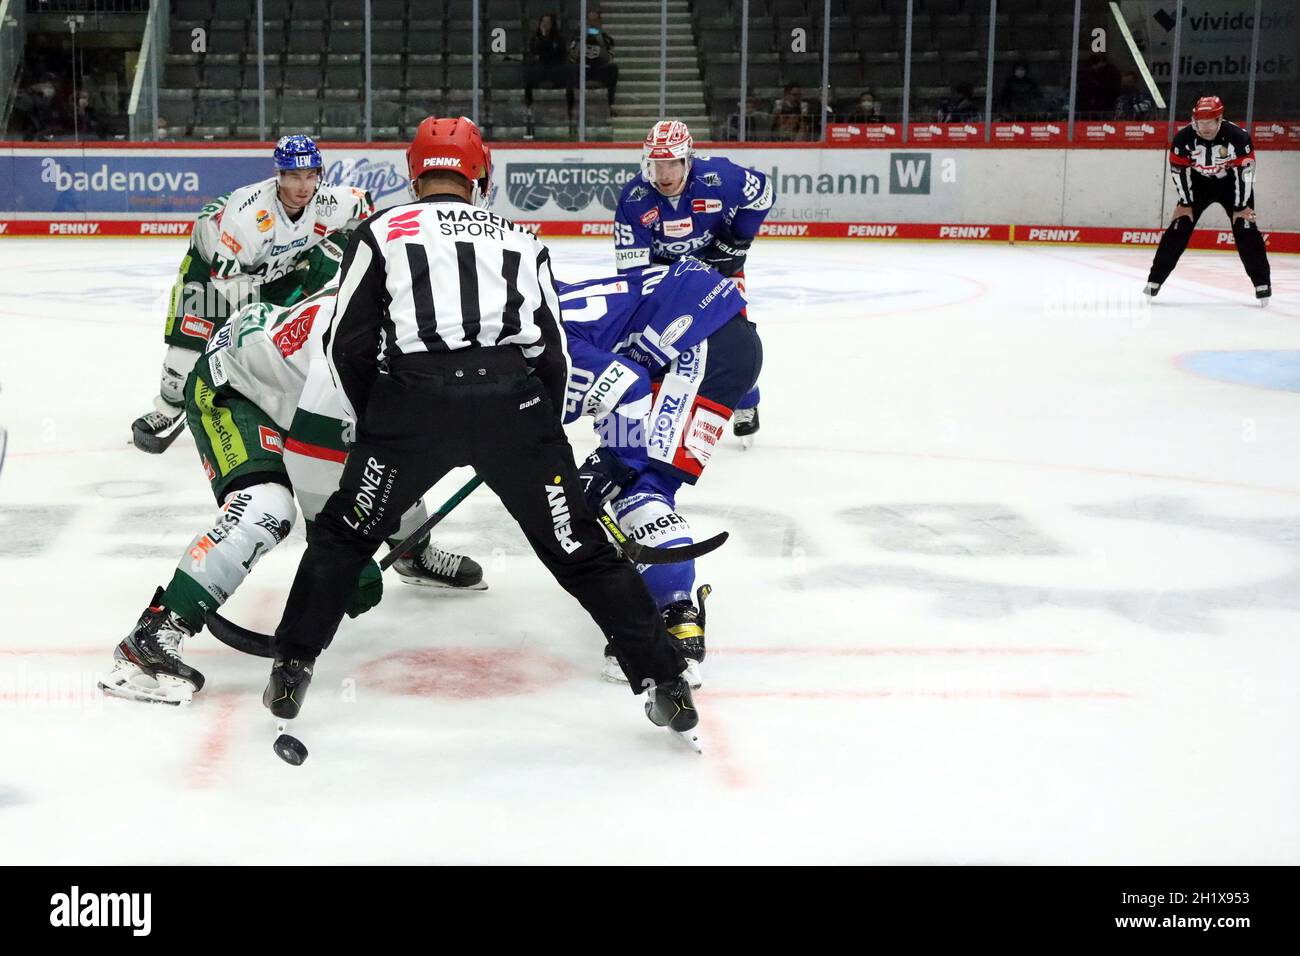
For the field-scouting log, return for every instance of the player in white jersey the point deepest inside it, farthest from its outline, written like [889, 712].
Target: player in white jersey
[242, 404]
[243, 249]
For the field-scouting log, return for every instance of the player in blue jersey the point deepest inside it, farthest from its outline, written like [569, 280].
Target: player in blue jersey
[688, 205]
[661, 355]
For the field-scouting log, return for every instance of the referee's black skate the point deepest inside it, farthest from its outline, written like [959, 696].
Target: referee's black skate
[1263, 293]
[154, 431]
[287, 688]
[430, 566]
[671, 705]
[1152, 290]
[147, 664]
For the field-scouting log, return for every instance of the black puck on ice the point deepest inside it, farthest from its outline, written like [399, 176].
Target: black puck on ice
[290, 749]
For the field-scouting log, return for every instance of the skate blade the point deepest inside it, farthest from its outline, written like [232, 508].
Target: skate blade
[440, 585]
[141, 688]
[746, 443]
[612, 672]
[690, 738]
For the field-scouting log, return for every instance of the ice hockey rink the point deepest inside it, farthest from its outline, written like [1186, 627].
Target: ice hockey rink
[1013, 577]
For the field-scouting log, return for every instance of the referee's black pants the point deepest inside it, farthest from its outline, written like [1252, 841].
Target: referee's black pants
[1250, 243]
[476, 407]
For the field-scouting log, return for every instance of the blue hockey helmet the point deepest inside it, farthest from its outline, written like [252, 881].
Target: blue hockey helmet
[297, 152]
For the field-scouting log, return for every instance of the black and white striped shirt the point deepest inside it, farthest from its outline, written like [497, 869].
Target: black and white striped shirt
[440, 275]
[1195, 162]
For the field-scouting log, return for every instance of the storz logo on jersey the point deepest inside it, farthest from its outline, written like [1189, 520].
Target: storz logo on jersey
[276, 250]
[573, 186]
[683, 247]
[689, 364]
[670, 412]
[677, 228]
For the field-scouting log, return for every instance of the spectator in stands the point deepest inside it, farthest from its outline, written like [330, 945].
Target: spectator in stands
[599, 49]
[547, 62]
[35, 110]
[960, 107]
[1133, 102]
[1099, 85]
[90, 121]
[1020, 98]
[756, 121]
[865, 110]
[790, 115]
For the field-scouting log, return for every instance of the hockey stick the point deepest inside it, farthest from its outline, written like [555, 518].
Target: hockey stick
[446, 509]
[263, 645]
[644, 554]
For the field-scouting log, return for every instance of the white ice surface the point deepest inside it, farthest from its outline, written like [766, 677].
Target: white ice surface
[1005, 584]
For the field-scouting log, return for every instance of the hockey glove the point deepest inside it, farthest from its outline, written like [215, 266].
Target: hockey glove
[370, 588]
[726, 252]
[603, 476]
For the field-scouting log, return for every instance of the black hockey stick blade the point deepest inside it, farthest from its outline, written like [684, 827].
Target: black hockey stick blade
[643, 554]
[240, 638]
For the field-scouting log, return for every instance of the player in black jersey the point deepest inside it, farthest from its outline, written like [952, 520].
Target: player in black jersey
[1212, 161]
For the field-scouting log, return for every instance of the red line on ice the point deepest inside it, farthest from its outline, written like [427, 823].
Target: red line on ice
[213, 748]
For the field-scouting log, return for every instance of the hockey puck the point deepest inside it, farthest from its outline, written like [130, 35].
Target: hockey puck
[290, 749]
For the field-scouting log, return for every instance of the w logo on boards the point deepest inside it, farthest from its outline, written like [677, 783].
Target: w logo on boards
[404, 226]
[909, 173]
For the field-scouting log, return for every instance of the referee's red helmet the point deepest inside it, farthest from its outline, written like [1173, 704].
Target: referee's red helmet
[453, 145]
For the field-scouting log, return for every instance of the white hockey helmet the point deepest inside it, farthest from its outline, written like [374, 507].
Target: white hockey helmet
[667, 139]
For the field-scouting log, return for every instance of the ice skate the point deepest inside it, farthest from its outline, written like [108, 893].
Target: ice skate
[287, 688]
[1263, 293]
[147, 665]
[1152, 290]
[435, 568]
[671, 705]
[744, 425]
[154, 431]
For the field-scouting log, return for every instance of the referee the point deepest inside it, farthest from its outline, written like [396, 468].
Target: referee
[1212, 161]
[447, 346]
